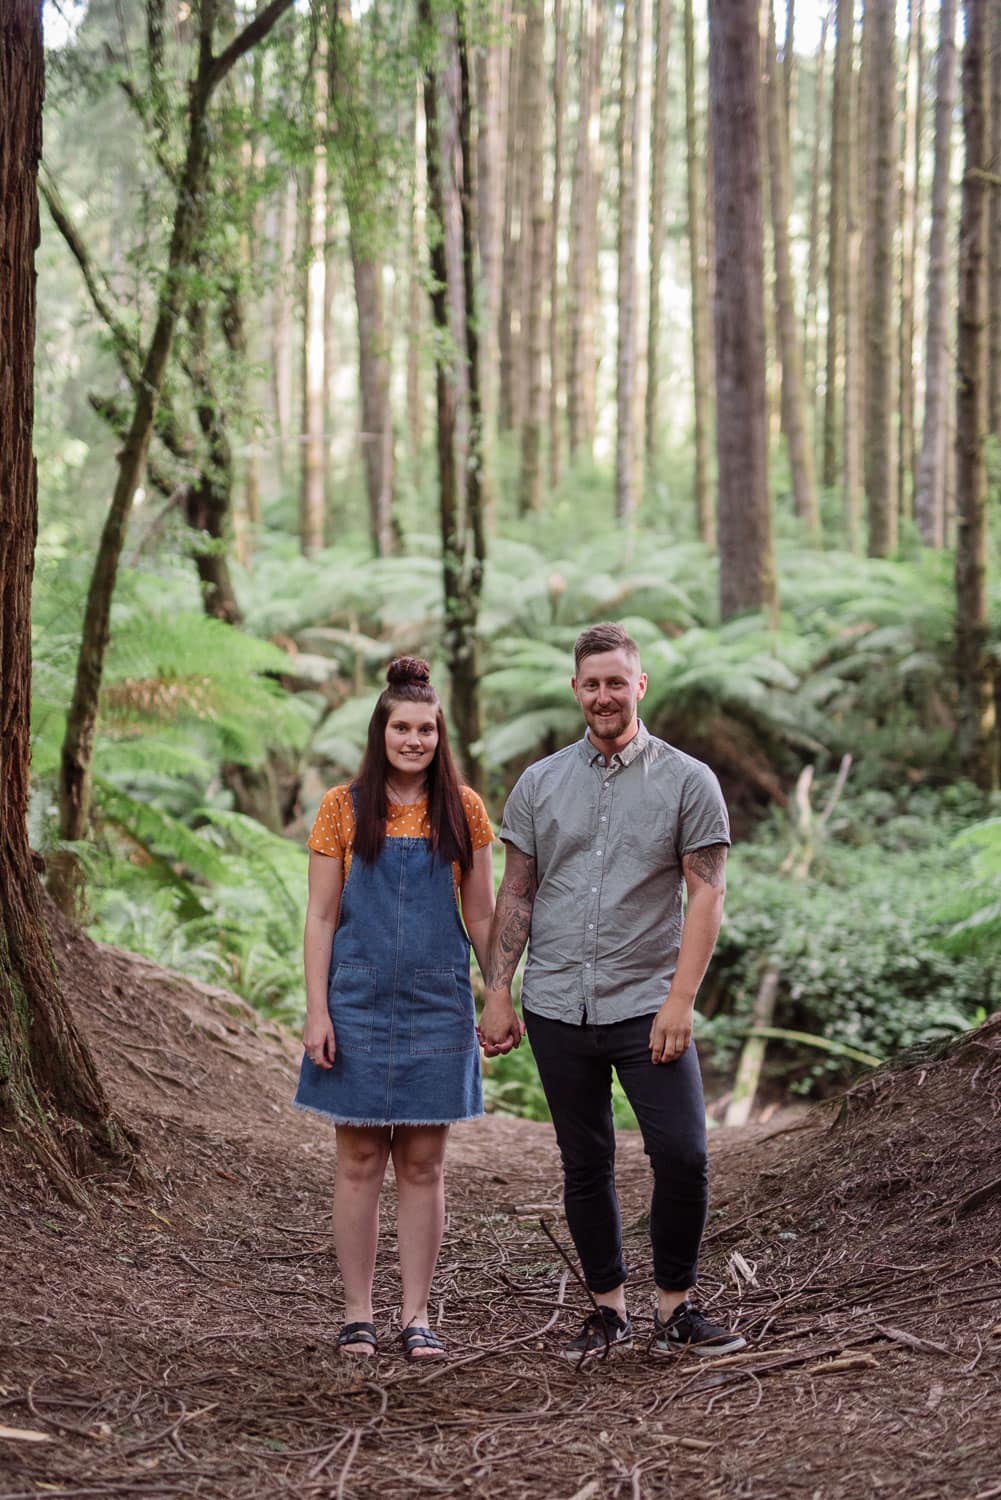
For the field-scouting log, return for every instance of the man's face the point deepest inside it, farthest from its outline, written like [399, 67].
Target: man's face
[608, 687]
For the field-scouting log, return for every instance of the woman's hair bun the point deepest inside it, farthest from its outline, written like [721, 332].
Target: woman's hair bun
[407, 669]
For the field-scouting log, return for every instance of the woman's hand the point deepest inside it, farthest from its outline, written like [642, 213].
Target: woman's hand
[318, 1040]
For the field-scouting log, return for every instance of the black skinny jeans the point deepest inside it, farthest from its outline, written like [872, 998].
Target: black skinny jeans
[575, 1064]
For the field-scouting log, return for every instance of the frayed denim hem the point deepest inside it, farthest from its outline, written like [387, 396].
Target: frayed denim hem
[332, 1119]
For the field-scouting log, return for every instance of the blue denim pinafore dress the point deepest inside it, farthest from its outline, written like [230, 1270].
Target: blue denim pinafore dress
[399, 998]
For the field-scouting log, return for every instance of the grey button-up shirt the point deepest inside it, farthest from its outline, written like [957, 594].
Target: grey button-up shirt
[607, 843]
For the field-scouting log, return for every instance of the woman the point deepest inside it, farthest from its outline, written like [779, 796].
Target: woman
[391, 1052]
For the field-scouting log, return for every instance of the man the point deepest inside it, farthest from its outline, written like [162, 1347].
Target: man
[600, 839]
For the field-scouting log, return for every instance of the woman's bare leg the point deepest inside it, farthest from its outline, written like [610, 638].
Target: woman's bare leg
[419, 1162]
[362, 1154]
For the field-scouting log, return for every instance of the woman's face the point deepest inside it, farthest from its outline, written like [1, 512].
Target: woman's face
[411, 737]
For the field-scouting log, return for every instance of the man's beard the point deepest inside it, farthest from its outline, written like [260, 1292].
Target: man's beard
[610, 726]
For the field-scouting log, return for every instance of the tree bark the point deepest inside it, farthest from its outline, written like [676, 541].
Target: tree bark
[51, 1099]
[534, 224]
[975, 728]
[881, 346]
[313, 486]
[282, 317]
[78, 743]
[658, 165]
[511, 329]
[794, 408]
[908, 250]
[491, 70]
[810, 346]
[698, 263]
[633, 244]
[581, 407]
[994, 230]
[462, 532]
[747, 571]
[842, 113]
[854, 362]
[929, 497]
[415, 297]
[555, 299]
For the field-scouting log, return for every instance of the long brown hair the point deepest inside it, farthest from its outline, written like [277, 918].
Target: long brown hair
[409, 681]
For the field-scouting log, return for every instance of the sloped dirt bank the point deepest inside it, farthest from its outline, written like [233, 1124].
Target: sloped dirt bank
[180, 1344]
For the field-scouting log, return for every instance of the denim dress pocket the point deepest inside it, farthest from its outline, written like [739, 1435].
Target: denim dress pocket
[441, 1019]
[351, 1003]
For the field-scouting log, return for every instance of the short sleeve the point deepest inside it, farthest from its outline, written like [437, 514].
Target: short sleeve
[333, 831]
[518, 825]
[480, 828]
[702, 819]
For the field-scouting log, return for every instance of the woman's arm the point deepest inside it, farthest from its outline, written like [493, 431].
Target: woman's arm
[326, 881]
[476, 890]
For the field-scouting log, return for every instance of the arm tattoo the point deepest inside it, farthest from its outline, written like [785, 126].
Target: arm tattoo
[512, 920]
[708, 864]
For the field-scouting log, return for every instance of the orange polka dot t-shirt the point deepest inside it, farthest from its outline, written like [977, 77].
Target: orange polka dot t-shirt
[334, 830]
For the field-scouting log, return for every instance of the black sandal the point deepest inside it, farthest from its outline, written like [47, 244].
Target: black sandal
[413, 1338]
[358, 1335]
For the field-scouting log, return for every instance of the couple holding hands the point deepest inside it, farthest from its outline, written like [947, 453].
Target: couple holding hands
[602, 839]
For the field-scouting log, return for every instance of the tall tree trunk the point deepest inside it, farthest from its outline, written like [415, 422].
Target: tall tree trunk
[511, 329]
[698, 263]
[747, 570]
[908, 248]
[51, 1099]
[312, 493]
[842, 114]
[415, 291]
[78, 742]
[994, 231]
[376, 411]
[789, 74]
[462, 532]
[975, 726]
[282, 319]
[492, 63]
[794, 408]
[534, 225]
[634, 163]
[852, 301]
[880, 344]
[810, 357]
[461, 634]
[581, 410]
[929, 497]
[555, 240]
[658, 166]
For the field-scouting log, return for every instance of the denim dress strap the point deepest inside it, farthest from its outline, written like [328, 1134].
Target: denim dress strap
[400, 999]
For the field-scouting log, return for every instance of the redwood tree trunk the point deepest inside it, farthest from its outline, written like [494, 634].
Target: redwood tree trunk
[313, 489]
[794, 408]
[842, 111]
[51, 1100]
[994, 232]
[698, 262]
[534, 225]
[747, 571]
[658, 165]
[584, 236]
[976, 738]
[880, 344]
[929, 497]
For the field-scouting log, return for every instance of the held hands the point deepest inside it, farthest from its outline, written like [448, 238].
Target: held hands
[671, 1032]
[318, 1041]
[500, 1028]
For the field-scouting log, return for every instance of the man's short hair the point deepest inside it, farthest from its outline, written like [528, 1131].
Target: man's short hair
[599, 638]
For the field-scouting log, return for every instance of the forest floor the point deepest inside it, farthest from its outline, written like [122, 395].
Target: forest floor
[179, 1341]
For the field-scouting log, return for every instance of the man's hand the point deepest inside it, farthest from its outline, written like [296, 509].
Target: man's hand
[500, 1028]
[671, 1032]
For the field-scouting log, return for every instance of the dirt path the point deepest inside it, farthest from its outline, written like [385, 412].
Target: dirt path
[181, 1343]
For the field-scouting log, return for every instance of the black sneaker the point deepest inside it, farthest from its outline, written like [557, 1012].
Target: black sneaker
[689, 1328]
[602, 1332]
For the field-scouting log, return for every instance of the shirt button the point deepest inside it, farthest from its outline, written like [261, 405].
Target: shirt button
[587, 964]
[603, 818]
[598, 852]
[590, 926]
[594, 890]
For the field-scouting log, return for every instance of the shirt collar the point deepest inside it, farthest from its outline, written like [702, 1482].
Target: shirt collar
[623, 757]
